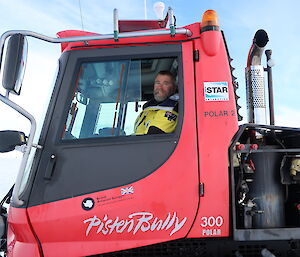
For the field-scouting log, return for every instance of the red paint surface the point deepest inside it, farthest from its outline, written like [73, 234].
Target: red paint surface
[201, 156]
[20, 239]
[217, 123]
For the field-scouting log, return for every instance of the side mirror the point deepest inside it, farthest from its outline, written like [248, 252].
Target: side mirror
[15, 63]
[9, 139]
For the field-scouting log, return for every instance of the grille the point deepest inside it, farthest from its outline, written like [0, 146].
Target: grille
[177, 248]
[250, 250]
[210, 248]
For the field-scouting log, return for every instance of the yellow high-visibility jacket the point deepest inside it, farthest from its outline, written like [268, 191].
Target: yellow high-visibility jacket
[161, 116]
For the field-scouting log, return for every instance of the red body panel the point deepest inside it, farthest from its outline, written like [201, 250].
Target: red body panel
[165, 205]
[217, 123]
[170, 194]
[20, 239]
[112, 43]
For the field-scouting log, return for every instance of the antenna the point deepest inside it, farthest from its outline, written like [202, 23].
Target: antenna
[80, 14]
[145, 9]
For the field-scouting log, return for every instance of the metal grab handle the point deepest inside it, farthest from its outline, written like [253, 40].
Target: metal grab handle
[50, 167]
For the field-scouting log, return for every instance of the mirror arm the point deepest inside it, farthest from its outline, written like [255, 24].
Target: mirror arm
[29, 145]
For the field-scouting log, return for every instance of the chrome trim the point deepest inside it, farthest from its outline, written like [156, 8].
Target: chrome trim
[255, 91]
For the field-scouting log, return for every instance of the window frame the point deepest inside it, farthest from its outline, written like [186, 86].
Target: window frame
[78, 57]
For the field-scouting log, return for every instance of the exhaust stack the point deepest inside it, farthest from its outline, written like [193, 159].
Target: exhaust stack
[255, 88]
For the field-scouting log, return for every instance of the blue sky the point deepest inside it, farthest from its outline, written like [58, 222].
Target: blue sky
[238, 19]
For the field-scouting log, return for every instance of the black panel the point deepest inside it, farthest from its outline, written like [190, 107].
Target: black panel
[211, 248]
[76, 167]
[84, 169]
[271, 181]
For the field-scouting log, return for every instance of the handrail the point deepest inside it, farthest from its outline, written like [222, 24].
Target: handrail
[116, 23]
[29, 145]
[159, 32]
[171, 22]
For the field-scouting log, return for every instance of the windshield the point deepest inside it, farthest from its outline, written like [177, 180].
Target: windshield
[105, 93]
[109, 95]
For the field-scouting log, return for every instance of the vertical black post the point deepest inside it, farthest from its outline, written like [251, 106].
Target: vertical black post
[270, 87]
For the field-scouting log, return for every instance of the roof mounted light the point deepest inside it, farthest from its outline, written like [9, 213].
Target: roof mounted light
[210, 21]
[159, 8]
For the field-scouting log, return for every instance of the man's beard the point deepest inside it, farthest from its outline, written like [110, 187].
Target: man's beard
[159, 97]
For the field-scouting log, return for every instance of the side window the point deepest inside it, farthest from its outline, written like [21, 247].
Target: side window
[109, 96]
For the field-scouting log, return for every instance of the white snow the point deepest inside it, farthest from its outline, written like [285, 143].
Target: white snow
[9, 166]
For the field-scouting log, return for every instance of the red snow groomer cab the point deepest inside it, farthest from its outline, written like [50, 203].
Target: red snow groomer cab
[88, 185]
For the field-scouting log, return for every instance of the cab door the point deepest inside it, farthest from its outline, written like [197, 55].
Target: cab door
[217, 124]
[98, 188]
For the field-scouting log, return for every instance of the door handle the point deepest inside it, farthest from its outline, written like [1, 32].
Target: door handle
[50, 167]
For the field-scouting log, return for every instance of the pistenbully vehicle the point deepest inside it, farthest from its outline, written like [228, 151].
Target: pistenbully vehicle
[88, 186]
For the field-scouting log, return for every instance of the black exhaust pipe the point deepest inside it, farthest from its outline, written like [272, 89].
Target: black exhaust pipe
[260, 40]
[255, 89]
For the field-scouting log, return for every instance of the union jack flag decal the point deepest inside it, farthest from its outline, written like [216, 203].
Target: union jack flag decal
[127, 190]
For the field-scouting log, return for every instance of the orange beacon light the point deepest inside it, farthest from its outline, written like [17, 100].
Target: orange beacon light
[210, 32]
